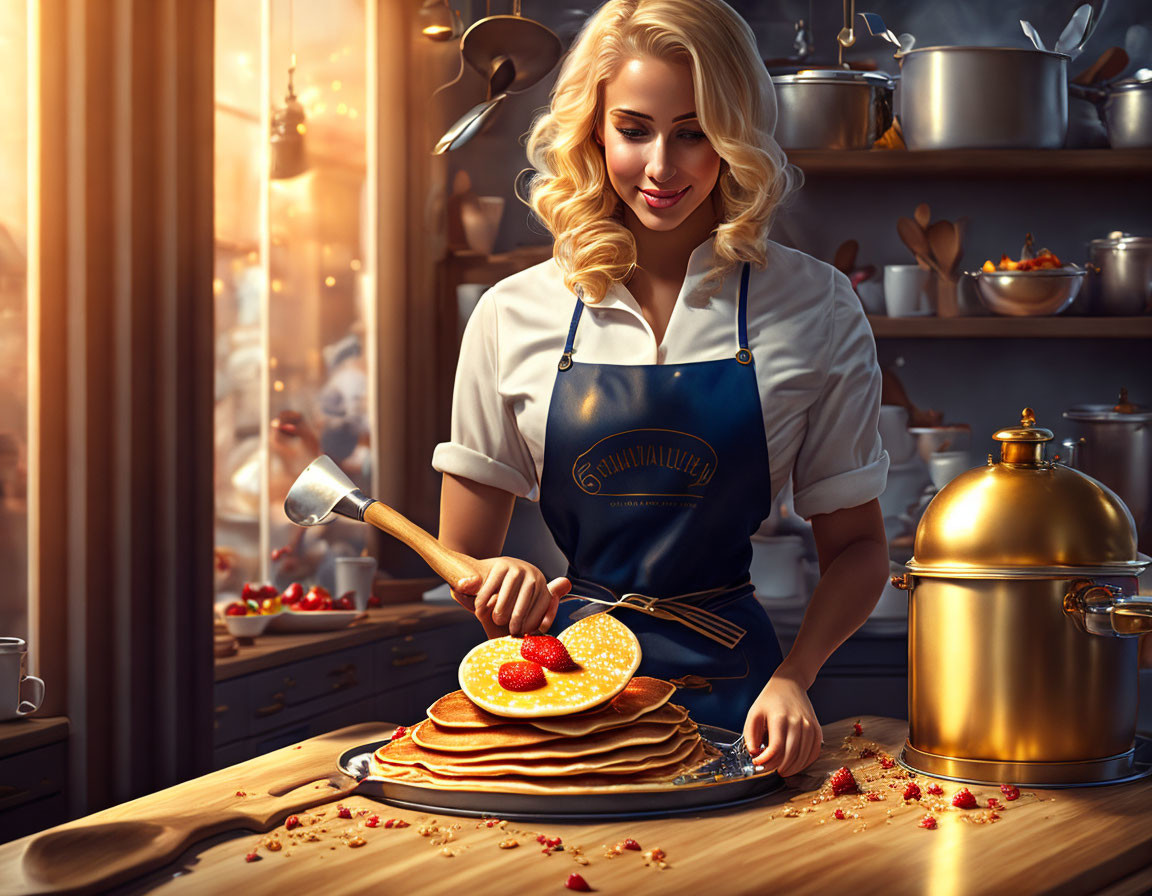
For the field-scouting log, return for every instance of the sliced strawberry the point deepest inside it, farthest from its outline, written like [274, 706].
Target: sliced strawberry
[935, 789]
[857, 729]
[843, 782]
[928, 822]
[548, 651]
[912, 791]
[576, 882]
[964, 799]
[1010, 791]
[521, 676]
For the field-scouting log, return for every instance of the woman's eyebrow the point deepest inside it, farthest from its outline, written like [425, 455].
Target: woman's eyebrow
[687, 116]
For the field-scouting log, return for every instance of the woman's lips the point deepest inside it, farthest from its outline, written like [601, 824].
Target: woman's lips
[663, 198]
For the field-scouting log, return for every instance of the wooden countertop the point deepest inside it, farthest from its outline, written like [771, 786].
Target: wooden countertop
[1057, 841]
[384, 622]
[18, 735]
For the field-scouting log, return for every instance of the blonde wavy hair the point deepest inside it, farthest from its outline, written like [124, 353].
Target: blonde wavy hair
[736, 105]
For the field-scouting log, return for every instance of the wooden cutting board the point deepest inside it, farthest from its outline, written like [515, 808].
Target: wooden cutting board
[109, 847]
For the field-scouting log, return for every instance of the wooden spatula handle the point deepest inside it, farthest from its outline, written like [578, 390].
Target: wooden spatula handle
[451, 566]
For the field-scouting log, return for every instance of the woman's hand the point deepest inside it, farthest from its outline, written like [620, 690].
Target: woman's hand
[514, 598]
[783, 722]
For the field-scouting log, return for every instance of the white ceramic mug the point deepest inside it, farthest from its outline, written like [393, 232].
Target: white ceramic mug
[14, 679]
[905, 290]
[355, 574]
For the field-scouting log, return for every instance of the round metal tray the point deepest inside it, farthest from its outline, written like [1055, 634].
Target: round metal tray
[731, 780]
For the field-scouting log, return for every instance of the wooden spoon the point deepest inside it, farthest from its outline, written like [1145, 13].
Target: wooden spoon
[916, 240]
[1111, 62]
[942, 238]
[923, 215]
[845, 258]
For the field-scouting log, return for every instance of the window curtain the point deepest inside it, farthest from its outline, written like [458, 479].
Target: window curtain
[121, 372]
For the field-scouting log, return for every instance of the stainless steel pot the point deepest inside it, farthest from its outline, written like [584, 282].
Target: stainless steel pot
[1022, 625]
[1113, 443]
[832, 109]
[984, 98]
[1119, 275]
[1128, 114]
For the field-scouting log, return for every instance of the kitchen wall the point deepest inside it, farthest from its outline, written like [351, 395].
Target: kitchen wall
[983, 382]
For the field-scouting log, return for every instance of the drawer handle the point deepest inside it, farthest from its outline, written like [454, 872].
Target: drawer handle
[411, 660]
[272, 708]
[346, 677]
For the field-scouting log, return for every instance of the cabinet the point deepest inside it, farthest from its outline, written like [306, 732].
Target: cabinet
[382, 673]
[33, 775]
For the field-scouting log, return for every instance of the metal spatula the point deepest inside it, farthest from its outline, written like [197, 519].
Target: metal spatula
[323, 490]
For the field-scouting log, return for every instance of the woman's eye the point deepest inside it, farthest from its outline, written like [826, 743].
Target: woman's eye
[630, 133]
[693, 136]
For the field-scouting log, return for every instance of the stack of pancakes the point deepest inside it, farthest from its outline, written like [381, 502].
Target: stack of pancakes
[637, 740]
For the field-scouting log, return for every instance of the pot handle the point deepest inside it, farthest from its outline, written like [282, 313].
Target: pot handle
[1107, 611]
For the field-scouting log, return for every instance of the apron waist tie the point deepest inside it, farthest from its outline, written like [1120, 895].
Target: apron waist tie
[682, 608]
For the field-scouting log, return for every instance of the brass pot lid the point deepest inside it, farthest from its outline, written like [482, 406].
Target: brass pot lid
[532, 48]
[1025, 516]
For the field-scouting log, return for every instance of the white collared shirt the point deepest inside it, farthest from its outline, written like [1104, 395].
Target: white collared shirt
[813, 350]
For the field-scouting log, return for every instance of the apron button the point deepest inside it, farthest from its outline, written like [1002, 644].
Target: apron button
[565, 361]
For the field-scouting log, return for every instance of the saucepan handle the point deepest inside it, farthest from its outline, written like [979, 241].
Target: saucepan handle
[1107, 610]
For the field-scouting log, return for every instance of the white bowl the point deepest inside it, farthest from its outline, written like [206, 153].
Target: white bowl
[246, 626]
[944, 466]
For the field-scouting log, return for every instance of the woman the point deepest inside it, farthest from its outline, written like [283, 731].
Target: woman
[660, 380]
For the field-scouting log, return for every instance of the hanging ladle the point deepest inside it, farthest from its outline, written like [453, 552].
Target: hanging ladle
[877, 28]
[503, 73]
[323, 490]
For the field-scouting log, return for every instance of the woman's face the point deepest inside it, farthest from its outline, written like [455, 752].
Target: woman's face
[659, 160]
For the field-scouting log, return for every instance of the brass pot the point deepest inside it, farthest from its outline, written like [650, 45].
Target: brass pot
[1022, 625]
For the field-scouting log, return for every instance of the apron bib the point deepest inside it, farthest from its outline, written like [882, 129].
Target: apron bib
[654, 478]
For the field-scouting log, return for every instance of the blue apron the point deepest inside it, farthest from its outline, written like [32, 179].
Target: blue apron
[655, 476]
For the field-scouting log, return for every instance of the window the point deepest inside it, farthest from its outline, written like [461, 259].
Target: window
[14, 229]
[293, 280]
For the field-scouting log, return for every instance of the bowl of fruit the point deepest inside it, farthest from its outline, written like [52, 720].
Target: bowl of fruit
[1031, 287]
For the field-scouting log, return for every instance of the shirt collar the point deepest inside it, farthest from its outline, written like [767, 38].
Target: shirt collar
[700, 262]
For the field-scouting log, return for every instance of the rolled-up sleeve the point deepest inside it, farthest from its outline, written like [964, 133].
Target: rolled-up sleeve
[486, 445]
[841, 462]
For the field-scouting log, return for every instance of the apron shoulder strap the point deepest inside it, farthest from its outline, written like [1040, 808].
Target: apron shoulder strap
[743, 354]
[566, 358]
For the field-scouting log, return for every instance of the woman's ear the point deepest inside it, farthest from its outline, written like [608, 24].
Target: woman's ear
[598, 134]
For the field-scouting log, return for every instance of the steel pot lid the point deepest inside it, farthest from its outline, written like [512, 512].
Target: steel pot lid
[1123, 411]
[1129, 84]
[834, 76]
[1119, 240]
[1025, 516]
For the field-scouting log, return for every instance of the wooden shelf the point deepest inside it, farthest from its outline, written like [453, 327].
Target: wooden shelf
[1008, 163]
[1011, 327]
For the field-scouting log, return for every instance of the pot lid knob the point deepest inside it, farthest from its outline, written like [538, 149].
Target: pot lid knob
[1124, 406]
[1023, 444]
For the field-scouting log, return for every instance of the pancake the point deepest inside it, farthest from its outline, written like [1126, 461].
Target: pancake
[641, 695]
[407, 749]
[604, 649]
[433, 736]
[656, 778]
[623, 761]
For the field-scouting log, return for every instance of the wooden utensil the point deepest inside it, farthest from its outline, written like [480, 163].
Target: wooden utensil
[845, 258]
[94, 853]
[923, 215]
[1110, 63]
[945, 249]
[916, 240]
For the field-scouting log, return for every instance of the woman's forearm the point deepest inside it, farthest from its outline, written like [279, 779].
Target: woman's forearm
[854, 568]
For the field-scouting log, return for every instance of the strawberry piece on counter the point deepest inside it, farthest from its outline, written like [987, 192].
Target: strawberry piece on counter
[912, 791]
[521, 676]
[548, 651]
[964, 799]
[576, 882]
[1010, 791]
[857, 729]
[842, 781]
[928, 822]
[935, 789]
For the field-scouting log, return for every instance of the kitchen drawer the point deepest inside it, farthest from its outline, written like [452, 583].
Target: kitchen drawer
[28, 781]
[300, 690]
[322, 723]
[231, 711]
[409, 704]
[405, 659]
